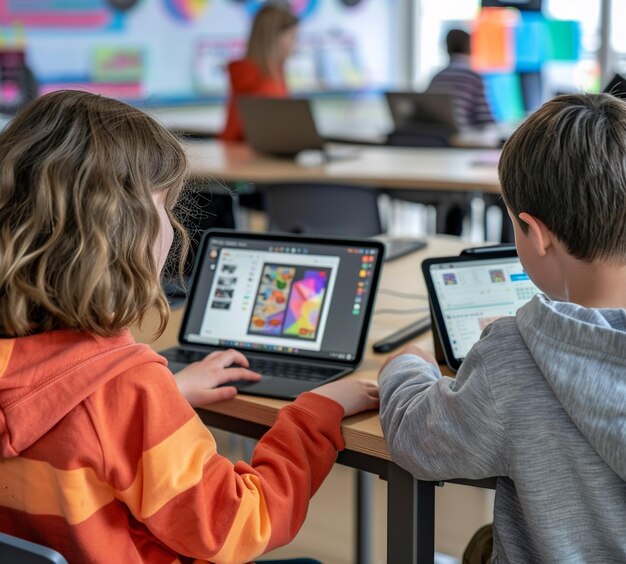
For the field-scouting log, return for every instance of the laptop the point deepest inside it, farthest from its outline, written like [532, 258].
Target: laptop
[285, 127]
[298, 307]
[423, 112]
[470, 291]
[616, 87]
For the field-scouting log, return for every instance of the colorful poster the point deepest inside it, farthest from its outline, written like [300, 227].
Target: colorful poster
[186, 11]
[118, 65]
[186, 44]
[210, 58]
[55, 13]
[493, 40]
[504, 92]
[531, 42]
[564, 44]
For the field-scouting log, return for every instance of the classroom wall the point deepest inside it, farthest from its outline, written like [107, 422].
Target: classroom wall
[175, 50]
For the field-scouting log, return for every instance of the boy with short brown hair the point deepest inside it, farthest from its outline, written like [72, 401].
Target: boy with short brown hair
[540, 400]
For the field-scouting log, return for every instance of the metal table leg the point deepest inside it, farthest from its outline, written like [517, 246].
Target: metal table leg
[364, 517]
[410, 518]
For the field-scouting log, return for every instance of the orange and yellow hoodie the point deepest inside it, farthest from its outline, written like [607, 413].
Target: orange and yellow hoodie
[246, 78]
[103, 460]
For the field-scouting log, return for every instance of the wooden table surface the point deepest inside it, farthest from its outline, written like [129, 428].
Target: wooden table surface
[362, 433]
[446, 169]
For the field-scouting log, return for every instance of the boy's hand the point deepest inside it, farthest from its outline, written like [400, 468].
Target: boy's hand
[353, 395]
[410, 349]
[198, 382]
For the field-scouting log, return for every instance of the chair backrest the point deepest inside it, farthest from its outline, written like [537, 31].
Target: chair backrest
[206, 207]
[334, 210]
[19, 551]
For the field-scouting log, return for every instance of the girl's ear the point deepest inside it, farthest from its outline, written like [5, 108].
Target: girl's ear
[538, 234]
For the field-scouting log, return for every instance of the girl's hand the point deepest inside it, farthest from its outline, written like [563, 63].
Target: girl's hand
[353, 395]
[198, 382]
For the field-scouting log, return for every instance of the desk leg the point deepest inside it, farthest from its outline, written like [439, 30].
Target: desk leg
[363, 517]
[410, 518]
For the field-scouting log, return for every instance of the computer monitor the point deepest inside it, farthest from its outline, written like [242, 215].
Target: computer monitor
[617, 86]
[423, 112]
[279, 126]
[523, 5]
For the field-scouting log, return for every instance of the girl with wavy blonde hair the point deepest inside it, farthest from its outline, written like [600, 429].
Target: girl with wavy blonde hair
[101, 455]
[77, 218]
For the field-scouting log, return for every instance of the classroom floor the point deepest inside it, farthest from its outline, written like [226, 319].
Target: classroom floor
[328, 532]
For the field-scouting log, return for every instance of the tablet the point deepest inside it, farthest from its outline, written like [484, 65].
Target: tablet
[468, 292]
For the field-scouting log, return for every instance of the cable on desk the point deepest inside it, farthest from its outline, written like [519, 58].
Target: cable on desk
[399, 294]
[402, 311]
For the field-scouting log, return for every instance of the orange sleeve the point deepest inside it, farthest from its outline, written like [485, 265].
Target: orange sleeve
[169, 474]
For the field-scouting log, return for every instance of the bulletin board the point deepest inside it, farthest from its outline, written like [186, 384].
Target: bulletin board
[176, 50]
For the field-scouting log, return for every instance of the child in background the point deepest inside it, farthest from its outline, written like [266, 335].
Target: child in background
[540, 400]
[102, 458]
[262, 71]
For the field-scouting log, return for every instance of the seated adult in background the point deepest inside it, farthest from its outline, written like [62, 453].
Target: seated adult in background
[261, 71]
[460, 80]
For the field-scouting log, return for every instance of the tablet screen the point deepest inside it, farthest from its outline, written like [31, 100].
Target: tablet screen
[468, 294]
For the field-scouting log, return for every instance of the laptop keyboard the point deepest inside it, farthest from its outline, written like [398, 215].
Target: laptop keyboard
[265, 367]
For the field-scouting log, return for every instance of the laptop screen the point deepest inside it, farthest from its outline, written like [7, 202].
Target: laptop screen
[471, 294]
[293, 295]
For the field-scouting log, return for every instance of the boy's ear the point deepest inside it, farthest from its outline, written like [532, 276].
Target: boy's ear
[538, 234]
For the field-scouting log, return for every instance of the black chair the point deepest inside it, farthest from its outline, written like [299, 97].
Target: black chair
[204, 207]
[14, 550]
[334, 210]
[451, 207]
[201, 207]
[19, 551]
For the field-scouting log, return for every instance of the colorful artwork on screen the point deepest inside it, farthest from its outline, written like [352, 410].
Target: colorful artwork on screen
[305, 304]
[270, 306]
[289, 301]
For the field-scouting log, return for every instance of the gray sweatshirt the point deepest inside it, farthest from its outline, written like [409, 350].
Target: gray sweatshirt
[540, 402]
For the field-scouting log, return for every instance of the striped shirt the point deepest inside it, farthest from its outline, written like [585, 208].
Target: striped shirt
[102, 459]
[468, 90]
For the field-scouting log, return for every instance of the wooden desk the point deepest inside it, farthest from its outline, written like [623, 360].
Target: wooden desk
[462, 170]
[410, 509]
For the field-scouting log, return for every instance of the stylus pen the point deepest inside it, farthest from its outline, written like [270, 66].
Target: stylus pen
[402, 336]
